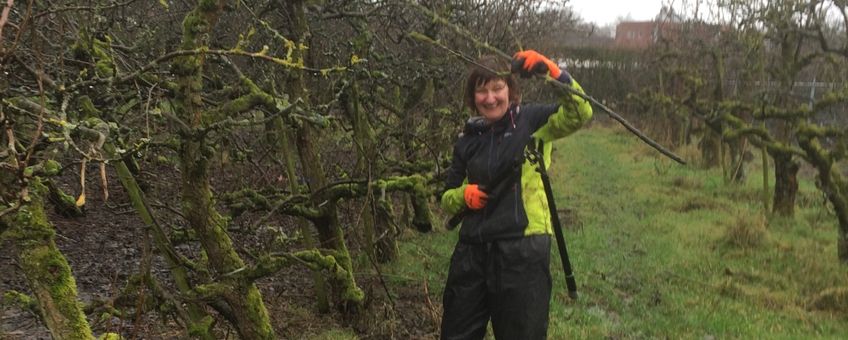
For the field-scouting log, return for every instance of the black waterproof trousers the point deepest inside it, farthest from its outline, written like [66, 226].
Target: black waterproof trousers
[507, 281]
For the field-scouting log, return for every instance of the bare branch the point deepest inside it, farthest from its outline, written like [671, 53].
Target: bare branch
[82, 8]
[4, 17]
[38, 74]
[262, 55]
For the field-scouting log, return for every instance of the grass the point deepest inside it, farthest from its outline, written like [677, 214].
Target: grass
[335, 334]
[670, 251]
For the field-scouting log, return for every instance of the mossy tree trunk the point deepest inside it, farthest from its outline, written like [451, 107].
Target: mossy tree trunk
[380, 233]
[45, 268]
[832, 183]
[765, 194]
[309, 242]
[785, 183]
[418, 104]
[242, 297]
[738, 158]
[198, 322]
[423, 99]
[710, 146]
[330, 232]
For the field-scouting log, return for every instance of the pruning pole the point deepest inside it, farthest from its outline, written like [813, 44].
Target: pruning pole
[468, 36]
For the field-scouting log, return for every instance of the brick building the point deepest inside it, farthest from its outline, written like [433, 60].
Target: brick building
[636, 34]
[667, 26]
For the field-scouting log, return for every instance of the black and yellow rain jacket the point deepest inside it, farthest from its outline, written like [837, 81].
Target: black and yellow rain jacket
[492, 155]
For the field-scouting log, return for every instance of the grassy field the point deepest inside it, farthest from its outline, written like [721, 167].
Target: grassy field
[668, 251]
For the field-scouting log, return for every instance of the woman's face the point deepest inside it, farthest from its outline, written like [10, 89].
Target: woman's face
[492, 99]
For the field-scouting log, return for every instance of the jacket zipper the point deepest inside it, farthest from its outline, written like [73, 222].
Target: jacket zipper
[515, 190]
[489, 171]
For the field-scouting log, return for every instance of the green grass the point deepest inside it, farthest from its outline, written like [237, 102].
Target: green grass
[662, 250]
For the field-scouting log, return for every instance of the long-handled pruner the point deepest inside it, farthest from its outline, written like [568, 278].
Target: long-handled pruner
[534, 155]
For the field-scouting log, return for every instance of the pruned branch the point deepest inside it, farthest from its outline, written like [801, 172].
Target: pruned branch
[359, 188]
[251, 200]
[270, 264]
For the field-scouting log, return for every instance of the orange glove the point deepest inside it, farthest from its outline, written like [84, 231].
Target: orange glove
[475, 198]
[528, 62]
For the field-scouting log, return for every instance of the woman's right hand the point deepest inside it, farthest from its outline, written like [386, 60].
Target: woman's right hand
[528, 62]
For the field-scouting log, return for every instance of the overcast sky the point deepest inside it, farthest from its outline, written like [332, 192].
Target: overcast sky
[603, 12]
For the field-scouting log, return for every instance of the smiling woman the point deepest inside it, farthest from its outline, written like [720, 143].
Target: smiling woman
[499, 270]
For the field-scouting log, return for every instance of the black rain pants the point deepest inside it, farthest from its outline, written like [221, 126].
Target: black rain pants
[507, 281]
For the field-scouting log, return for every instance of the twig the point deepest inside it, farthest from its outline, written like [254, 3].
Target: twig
[39, 127]
[434, 316]
[279, 205]
[229, 122]
[182, 124]
[4, 17]
[59, 235]
[81, 8]
[262, 54]
[104, 181]
[422, 37]
[458, 30]
[14, 167]
[147, 111]
[11, 209]
[4, 53]
[30, 108]
[81, 199]
[10, 138]
[44, 76]
[173, 210]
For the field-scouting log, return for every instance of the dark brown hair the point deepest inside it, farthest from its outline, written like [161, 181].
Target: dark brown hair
[481, 73]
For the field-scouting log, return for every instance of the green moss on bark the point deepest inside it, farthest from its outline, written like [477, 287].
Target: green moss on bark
[46, 269]
[338, 266]
[22, 301]
[200, 329]
[422, 217]
[86, 109]
[63, 203]
[95, 50]
[257, 312]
